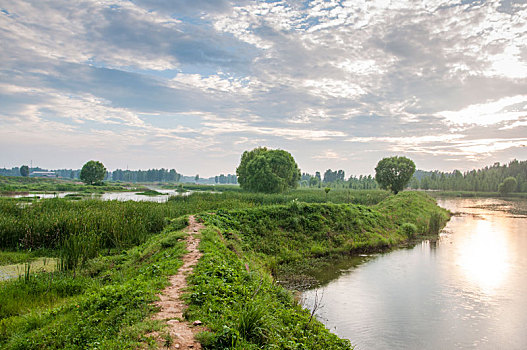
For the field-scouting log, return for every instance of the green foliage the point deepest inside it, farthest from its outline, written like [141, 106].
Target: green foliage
[24, 170]
[508, 185]
[435, 223]
[298, 234]
[244, 309]
[150, 193]
[49, 223]
[394, 173]
[93, 172]
[106, 306]
[34, 184]
[484, 181]
[269, 171]
[408, 229]
[77, 249]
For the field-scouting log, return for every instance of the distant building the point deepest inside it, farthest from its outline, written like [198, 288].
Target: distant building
[43, 174]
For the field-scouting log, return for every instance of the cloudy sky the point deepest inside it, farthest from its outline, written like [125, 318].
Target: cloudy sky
[191, 84]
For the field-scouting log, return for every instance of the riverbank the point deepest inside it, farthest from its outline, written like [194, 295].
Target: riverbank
[247, 251]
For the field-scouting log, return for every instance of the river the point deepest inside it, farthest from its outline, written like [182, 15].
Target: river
[467, 290]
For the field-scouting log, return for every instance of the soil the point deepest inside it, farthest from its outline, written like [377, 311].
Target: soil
[172, 306]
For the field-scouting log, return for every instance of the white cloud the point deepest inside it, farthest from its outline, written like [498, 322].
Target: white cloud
[227, 127]
[492, 112]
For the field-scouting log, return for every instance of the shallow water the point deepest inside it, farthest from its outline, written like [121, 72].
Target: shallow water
[38, 265]
[466, 290]
[108, 196]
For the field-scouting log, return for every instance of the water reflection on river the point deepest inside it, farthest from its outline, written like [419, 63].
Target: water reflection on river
[467, 290]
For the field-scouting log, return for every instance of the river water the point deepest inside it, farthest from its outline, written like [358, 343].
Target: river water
[467, 290]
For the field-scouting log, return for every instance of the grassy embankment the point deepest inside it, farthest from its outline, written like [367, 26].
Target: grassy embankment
[102, 295]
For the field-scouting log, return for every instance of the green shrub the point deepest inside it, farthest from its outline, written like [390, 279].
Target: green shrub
[408, 229]
[435, 223]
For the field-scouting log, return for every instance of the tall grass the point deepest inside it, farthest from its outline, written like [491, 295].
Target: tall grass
[77, 230]
[106, 306]
[50, 223]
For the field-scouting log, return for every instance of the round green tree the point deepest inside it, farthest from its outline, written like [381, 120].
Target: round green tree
[508, 185]
[266, 170]
[394, 173]
[92, 173]
[24, 170]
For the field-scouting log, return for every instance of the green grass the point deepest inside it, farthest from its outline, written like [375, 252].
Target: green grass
[297, 237]
[150, 193]
[244, 309]
[49, 223]
[106, 306]
[14, 184]
[21, 256]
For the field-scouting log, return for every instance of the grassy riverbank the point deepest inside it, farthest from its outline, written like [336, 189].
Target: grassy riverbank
[292, 240]
[104, 300]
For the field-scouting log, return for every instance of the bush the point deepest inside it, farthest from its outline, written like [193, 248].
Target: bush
[408, 229]
[435, 223]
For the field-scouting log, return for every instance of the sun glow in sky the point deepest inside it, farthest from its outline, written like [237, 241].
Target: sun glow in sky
[192, 84]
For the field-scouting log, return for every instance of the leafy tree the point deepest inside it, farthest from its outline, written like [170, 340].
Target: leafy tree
[24, 170]
[394, 173]
[508, 185]
[314, 181]
[92, 173]
[270, 171]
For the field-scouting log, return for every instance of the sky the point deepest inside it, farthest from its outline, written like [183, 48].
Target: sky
[192, 84]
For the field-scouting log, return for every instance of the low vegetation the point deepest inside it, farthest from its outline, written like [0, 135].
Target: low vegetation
[104, 306]
[243, 308]
[295, 238]
[16, 184]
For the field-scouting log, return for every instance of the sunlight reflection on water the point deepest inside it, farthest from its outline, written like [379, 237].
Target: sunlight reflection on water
[466, 290]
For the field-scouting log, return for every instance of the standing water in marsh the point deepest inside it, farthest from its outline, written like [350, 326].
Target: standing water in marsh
[465, 290]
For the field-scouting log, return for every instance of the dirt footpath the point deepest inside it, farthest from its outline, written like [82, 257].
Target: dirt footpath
[171, 305]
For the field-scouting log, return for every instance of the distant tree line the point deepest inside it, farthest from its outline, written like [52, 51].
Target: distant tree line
[487, 179]
[337, 179]
[226, 179]
[151, 175]
[18, 171]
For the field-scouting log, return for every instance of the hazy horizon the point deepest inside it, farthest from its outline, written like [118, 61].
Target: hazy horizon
[190, 85]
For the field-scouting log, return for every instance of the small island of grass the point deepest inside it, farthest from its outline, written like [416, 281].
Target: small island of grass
[150, 193]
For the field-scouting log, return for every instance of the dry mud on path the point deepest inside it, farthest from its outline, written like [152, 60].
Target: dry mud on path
[171, 305]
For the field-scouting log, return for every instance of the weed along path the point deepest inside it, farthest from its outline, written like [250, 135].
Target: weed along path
[181, 333]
